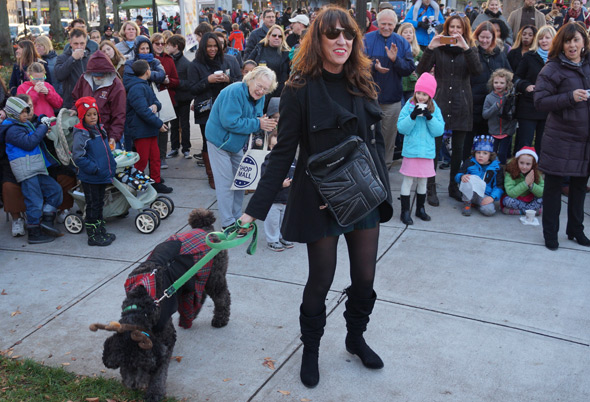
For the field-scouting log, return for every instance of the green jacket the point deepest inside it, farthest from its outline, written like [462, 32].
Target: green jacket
[518, 188]
[409, 82]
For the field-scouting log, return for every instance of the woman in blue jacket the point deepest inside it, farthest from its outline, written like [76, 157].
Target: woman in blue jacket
[236, 114]
[143, 50]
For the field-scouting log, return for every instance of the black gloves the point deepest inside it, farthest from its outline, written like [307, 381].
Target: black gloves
[415, 113]
[425, 24]
[427, 114]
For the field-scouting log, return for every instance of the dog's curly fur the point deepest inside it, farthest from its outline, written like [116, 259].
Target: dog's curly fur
[148, 369]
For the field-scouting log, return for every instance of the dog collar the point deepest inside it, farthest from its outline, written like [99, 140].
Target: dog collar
[132, 307]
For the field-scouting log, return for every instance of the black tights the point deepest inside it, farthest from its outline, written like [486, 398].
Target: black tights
[321, 254]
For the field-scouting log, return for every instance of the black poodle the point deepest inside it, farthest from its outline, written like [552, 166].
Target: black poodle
[145, 338]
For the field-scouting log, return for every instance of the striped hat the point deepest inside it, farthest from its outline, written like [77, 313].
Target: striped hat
[14, 107]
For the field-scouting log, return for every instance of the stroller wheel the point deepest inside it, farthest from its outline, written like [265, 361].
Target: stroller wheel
[146, 222]
[155, 214]
[73, 223]
[162, 207]
[168, 200]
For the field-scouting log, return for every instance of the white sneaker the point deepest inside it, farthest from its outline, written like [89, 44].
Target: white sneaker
[18, 227]
[61, 216]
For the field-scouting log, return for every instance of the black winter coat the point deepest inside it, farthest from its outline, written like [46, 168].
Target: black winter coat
[310, 118]
[514, 57]
[490, 62]
[566, 141]
[183, 93]
[202, 89]
[277, 62]
[454, 68]
[525, 75]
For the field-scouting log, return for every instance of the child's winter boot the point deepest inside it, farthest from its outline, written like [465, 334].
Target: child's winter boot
[103, 231]
[420, 211]
[406, 216]
[48, 224]
[95, 238]
[36, 235]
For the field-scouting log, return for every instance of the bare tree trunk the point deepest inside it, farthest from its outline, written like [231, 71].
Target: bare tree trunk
[5, 45]
[83, 12]
[361, 15]
[509, 6]
[116, 19]
[102, 11]
[57, 29]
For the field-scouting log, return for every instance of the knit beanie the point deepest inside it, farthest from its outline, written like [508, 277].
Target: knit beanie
[427, 84]
[14, 107]
[483, 143]
[528, 151]
[84, 104]
[273, 106]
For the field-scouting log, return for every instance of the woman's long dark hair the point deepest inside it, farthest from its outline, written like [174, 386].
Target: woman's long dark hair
[28, 55]
[567, 33]
[201, 55]
[309, 59]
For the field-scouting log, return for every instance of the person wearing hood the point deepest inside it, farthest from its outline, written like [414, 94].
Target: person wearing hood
[143, 50]
[71, 64]
[42, 194]
[142, 123]
[101, 82]
[45, 49]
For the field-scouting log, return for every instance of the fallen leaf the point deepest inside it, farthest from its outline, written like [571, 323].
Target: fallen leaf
[92, 399]
[18, 342]
[269, 362]
[103, 371]
[177, 358]
[58, 307]
[226, 379]
[15, 356]
[67, 353]
[17, 312]
[50, 356]
[65, 364]
[111, 400]
[44, 290]
[39, 326]
[3, 292]
[305, 400]
[73, 359]
[285, 392]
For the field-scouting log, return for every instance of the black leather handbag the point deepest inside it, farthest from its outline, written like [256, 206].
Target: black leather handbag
[347, 180]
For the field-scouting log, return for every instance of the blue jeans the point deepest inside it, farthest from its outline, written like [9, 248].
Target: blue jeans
[225, 165]
[42, 194]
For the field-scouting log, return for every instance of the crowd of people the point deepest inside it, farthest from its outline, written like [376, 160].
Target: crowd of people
[512, 93]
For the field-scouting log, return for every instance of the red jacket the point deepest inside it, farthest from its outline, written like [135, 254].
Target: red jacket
[236, 40]
[170, 68]
[43, 103]
[110, 96]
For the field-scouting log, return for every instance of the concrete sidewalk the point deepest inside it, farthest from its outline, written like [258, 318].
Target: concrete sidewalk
[469, 309]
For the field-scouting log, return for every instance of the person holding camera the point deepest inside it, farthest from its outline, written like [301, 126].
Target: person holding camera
[424, 20]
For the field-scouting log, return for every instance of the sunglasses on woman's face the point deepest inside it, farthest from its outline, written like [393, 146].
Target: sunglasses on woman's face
[334, 33]
[277, 36]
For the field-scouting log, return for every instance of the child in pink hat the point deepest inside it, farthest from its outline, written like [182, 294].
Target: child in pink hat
[420, 121]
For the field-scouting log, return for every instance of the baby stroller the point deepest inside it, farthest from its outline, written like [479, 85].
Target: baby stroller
[119, 196]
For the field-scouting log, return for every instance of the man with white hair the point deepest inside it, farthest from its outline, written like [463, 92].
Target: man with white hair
[392, 60]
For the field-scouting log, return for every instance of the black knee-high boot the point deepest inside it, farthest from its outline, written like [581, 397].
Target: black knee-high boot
[357, 317]
[420, 211]
[312, 329]
[406, 215]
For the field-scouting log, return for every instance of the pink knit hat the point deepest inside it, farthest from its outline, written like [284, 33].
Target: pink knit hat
[427, 84]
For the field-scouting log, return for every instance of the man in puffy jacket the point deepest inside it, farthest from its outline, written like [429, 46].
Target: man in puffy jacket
[424, 22]
[101, 82]
[71, 64]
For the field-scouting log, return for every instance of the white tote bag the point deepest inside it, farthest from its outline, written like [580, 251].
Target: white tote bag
[167, 112]
[250, 169]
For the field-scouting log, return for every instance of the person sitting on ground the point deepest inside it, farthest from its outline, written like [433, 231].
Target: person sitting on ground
[484, 166]
[523, 183]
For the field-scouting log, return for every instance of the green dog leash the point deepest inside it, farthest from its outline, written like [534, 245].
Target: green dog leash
[223, 241]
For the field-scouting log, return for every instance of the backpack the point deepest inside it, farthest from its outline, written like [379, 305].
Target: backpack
[508, 111]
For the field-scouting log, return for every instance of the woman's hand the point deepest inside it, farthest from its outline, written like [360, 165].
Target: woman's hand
[244, 219]
[461, 41]
[267, 124]
[530, 88]
[435, 42]
[487, 200]
[212, 78]
[580, 95]
[287, 182]
[164, 128]
[465, 178]
[530, 178]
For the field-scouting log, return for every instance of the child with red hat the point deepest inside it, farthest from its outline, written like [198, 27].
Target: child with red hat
[96, 167]
[420, 121]
[523, 184]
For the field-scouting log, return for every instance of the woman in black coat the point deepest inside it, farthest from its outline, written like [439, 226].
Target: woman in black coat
[205, 84]
[561, 90]
[491, 59]
[522, 44]
[455, 65]
[530, 120]
[329, 97]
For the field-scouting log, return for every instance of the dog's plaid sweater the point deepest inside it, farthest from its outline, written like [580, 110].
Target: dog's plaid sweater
[189, 302]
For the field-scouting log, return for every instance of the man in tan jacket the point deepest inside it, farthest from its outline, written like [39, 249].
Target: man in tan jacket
[526, 15]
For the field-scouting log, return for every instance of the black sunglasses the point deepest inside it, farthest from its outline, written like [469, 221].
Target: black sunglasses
[334, 33]
[276, 36]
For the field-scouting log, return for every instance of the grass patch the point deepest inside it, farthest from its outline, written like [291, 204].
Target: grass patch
[26, 380]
